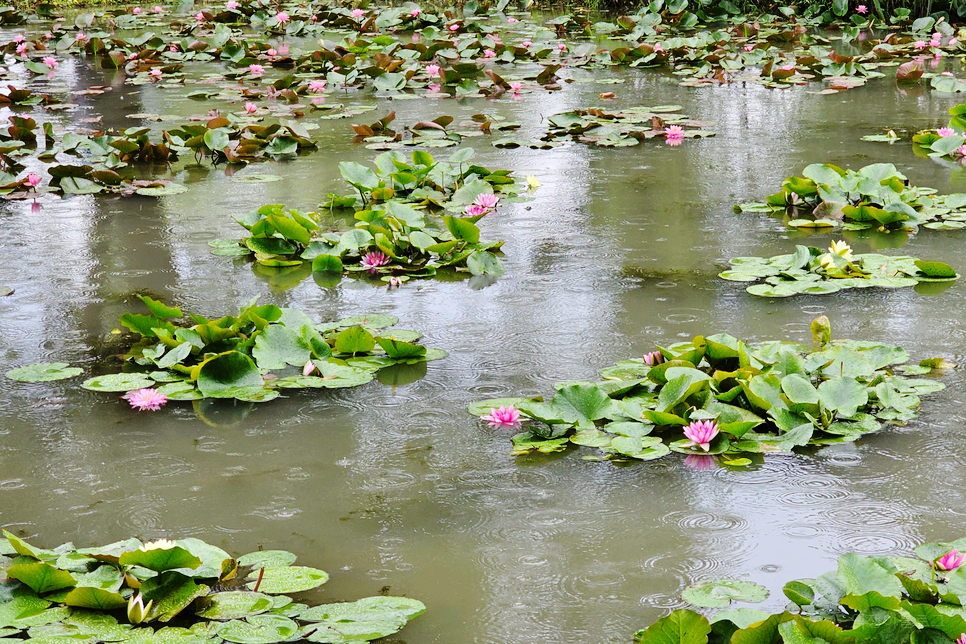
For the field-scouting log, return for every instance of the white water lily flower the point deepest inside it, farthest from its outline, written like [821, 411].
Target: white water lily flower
[160, 544]
[137, 611]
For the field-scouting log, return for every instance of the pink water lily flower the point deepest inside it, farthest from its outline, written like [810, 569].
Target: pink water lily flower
[562, 47]
[945, 131]
[508, 417]
[962, 639]
[374, 259]
[700, 433]
[231, 5]
[749, 47]
[474, 210]
[32, 180]
[919, 44]
[250, 107]
[512, 20]
[148, 398]
[961, 151]
[516, 86]
[674, 132]
[136, 10]
[158, 9]
[489, 53]
[156, 72]
[432, 70]
[527, 43]
[358, 13]
[486, 200]
[317, 86]
[659, 49]
[394, 282]
[18, 38]
[415, 13]
[51, 62]
[271, 53]
[200, 16]
[653, 358]
[434, 88]
[282, 17]
[80, 36]
[308, 368]
[862, 9]
[256, 70]
[454, 27]
[21, 48]
[951, 560]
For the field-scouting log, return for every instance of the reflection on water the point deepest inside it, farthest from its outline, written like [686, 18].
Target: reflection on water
[393, 484]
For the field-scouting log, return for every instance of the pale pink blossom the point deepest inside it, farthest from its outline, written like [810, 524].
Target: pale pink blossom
[21, 48]
[132, 55]
[787, 68]
[358, 13]
[231, 5]
[148, 398]
[173, 49]
[282, 17]
[527, 43]
[317, 86]
[562, 47]
[674, 132]
[474, 210]
[945, 131]
[454, 27]
[136, 11]
[80, 36]
[508, 417]
[962, 151]
[512, 20]
[516, 86]
[51, 62]
[32, 180]
[250, 107]
[308, 368]
[415, 13]
[952, 42]
[653, 358]
[394, 282]
[951, 560]
[489, 53]
[283, 50]
[862, 9]
[18, 38]
[919, 44]
[271, 53]
[435, 87]
[256, 70]
[158, 9]
[313, 18]
[749, 47]
[700, 433]
[432, 70]
[961, 639]
[200, 16]
[374, 259]
[486, 200]
[658, 48]
[156, 72]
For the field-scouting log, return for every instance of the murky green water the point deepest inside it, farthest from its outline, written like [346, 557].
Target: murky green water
[400, 487]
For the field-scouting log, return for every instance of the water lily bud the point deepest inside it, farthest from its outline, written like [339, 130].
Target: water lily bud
[137, 612]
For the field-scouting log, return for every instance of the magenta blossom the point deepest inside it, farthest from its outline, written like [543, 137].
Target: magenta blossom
[19, 38]
[374, 259]
[317, 86]
[508, 417]
[562, 47]
[527, 43]
[282, 17]
[653, 358]
[486, 200]
[489, 53]
[945, 131]
[415, 13]
[674, 132]
[256, 70]
[156, 72]
[432, 70]
[516, 86]
[961, 151]
[51, 62]
[80, 36]
[250, 107]
[919, 44]
[32, 180]
[512, 20]
[473, 210]
[200, 16]
[454, 27]
[435, 87]
[862, 9]
[658, 49]
[136, 10]
[358, 13]
[271, 52]
[962, 639]
[700, 433]
[951, 560]
[149, 398]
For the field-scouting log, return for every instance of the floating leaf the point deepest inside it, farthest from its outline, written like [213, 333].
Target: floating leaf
[287, 579]
[719, 594]
[118, 382]
[44, 372]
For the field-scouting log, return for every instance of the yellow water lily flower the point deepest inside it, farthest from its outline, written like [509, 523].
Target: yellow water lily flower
[841, 249]
[532, 182]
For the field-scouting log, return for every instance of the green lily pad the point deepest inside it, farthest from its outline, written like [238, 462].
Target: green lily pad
[234, 604]
[719, 594]
[44, 372]
[162, 191]
[118, 382]
[259, 629]
[267, 558]
[287, 579]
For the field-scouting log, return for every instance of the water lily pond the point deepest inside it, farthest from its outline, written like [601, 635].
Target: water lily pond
[525, 218]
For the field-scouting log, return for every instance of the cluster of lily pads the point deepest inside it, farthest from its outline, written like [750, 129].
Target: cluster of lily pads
[624, 128]
[877, 196]
[812, 271]
[248, 357]
[888, 598]
[184, 591]
[717, 396]
[392, 235]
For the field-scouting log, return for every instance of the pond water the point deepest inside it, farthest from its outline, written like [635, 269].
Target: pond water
[399, 487]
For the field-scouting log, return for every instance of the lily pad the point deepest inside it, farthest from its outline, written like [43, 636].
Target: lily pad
[44, 372]
[118, 382]
[287, 579]
[719, 594]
